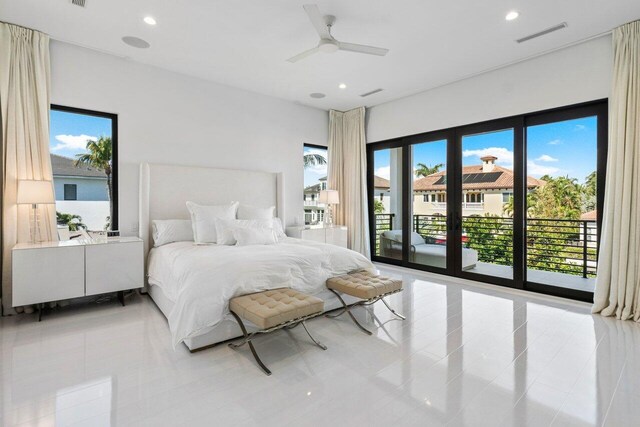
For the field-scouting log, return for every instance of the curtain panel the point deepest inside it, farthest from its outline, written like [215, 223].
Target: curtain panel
[24, 108]
[617, 290]
[348, 175]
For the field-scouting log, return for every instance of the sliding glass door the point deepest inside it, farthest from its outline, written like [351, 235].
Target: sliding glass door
[487, 182]
[515, 202]
[429, 207]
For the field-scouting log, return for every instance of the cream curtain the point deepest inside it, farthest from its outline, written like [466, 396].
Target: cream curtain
[347, 174]
[618, 283]
[24, 105]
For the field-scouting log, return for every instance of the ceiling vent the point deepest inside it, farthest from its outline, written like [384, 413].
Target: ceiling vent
[80, 3]
[371, 93]
[543, 32]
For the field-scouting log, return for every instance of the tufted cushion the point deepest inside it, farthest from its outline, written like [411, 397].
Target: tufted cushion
[270, 308]
[364, 285]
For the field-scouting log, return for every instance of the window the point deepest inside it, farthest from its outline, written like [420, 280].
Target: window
[518, 199]
[83, 146]
[70, 192]
[315, 179]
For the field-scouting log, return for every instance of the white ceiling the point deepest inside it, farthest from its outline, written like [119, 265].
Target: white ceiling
[245, 43]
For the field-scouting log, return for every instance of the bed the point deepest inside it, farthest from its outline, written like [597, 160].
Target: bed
[191, 284]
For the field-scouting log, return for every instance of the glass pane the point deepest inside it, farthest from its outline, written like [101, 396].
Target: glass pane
[487, 224]
[429, 204]
[561, 203]
[387, 202]
[81, 153]
[315, 180]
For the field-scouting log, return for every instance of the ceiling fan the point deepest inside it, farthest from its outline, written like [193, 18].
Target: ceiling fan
[327, 43]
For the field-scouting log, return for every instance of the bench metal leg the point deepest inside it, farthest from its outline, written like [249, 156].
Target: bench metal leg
[319, 344]
[347, 309]
[392, 310]
[247, 340]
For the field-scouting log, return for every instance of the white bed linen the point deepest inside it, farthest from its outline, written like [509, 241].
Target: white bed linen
[201, 280]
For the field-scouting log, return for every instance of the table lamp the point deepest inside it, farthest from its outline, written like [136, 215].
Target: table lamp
[329, 198]
[35, 192]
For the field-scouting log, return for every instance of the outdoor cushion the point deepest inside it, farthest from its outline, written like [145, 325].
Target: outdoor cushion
[271, 308]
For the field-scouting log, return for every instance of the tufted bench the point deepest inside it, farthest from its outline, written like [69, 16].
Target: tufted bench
[271, 310]
[368, 287]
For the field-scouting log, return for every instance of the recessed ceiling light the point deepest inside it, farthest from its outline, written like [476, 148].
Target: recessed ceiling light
[149, 20]
[317, 95]
[512, 15]
[342, 86]
[136, 42]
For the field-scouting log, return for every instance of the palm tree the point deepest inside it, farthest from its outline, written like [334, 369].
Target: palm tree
[424, 170]
[73, 221]
[313, 159]
[99, 156]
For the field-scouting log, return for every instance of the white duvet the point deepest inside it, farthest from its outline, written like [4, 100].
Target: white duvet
[201, 280]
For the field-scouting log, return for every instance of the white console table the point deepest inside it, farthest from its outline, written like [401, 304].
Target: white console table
[333, 235]
[54, 271]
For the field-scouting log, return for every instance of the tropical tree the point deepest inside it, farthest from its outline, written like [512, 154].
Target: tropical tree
[378, 207]
[313, 159]
[73, 221]
[99, 155]
[423, 170]
[589, 192]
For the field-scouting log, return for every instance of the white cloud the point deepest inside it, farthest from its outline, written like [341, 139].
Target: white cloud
[555, 142]
[580, 127]
[383, 172]
[537, 170]
[73, 142]
[505, 157]
[546, 158]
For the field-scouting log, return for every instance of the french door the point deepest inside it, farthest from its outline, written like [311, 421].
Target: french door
[515, 202]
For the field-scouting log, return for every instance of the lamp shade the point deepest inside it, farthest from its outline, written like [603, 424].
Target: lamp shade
[329, 197]
[35, 192]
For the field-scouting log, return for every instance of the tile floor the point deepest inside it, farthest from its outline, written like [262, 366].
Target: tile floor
[467, 354]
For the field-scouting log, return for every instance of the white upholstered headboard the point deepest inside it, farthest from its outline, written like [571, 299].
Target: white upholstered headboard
[165, 189]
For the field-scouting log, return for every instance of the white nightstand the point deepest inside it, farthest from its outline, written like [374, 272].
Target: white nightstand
[333, 235]
[54, 271]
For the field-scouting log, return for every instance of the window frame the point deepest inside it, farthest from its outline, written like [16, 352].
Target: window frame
[75, 191]
[519, 123]
[114, 152]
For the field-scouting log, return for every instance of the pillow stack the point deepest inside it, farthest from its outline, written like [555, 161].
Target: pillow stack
[230, 224]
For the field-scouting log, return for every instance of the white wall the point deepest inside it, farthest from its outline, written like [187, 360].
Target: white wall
[576, 74]
[165, 117]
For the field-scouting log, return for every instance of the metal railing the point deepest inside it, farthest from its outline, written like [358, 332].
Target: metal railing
[556, 245]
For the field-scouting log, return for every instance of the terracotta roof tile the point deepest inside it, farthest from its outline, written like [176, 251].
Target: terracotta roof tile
[500, 178]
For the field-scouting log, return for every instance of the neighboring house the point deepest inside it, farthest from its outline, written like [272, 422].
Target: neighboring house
[81, 190]
[82, 183]
[486, 188]
[591, 223]
[314, 211]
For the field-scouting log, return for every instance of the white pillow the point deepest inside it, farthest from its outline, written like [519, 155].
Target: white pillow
[204, 218]
[254, 236]
[255, 212]
[225, 228]
[278, 229]
[171, 230]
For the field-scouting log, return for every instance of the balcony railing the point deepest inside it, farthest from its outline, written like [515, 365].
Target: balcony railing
[556, 245]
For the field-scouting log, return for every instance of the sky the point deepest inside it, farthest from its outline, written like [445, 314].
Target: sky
[70, 131]
[556, 149]
[313, 173]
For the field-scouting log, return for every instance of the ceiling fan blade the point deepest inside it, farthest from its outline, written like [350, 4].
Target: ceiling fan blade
[304, 54]
[317, 20]
[361, 48]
